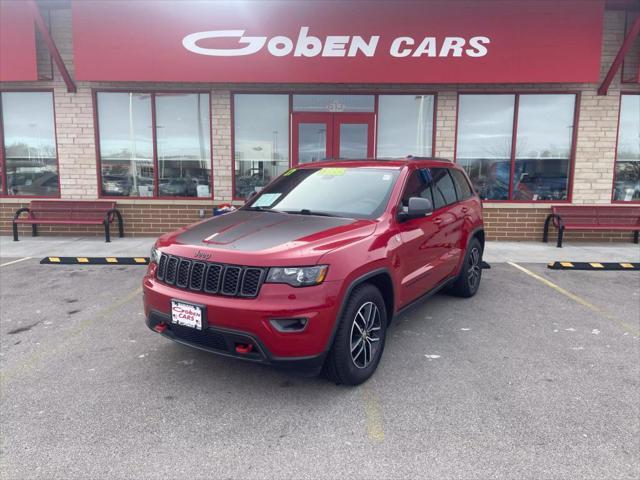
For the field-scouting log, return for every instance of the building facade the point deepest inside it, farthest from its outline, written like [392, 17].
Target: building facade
[536, 120]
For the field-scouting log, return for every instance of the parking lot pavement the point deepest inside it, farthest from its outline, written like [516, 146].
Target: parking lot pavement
[526, 380]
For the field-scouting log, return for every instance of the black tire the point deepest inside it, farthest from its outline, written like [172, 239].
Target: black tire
[340, 366]
[468, 281]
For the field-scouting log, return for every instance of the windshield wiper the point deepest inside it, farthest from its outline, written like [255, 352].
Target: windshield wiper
[306, 211]
[263, 209]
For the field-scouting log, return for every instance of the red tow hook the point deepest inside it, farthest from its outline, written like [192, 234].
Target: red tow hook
[160, 328]
[244, 348]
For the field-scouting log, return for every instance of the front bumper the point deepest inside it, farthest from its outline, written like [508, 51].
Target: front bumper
[233, 320]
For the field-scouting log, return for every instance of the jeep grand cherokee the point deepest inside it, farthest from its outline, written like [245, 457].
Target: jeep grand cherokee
[310, 273]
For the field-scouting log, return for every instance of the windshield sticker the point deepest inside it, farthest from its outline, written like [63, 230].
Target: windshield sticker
[288, 172]
[332, 172]
[266, 199]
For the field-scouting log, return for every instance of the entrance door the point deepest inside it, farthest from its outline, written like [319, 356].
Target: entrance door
[331, 136]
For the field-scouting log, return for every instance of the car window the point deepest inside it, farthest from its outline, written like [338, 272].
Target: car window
[462, 185]
[444, 192]
[418, 185]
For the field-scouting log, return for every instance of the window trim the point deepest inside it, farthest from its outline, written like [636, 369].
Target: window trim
[3, 187]
[291, 93]
[615, 154]
[627, 24]
[514, 137]
[152, 93]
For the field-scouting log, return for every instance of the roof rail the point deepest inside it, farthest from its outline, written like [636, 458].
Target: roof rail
[439, 159]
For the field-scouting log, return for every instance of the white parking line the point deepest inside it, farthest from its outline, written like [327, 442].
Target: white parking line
[14, 261]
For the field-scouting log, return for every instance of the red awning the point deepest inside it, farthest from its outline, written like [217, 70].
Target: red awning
[17, 42]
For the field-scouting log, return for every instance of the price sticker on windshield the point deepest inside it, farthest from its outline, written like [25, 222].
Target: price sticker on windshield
[332, 172]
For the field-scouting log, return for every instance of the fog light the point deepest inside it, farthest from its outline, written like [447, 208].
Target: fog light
[288, 325]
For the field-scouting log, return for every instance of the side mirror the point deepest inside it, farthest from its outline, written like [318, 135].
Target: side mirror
[418, 207]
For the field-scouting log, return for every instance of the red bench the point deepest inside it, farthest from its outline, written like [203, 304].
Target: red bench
[593, 217]
[66, 212]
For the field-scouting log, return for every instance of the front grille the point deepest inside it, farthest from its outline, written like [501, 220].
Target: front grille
[213, 278]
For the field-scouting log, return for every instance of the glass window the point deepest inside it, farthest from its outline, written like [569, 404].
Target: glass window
[183, 145]
[333, 103]
[261, 132]
[126, 144]
[485, 128]
[30, 158]
[444, 191]
[543, 147]
[539, 168]
[184, 149]
[353, 140]
[626, 185]
[343, 192]
[462, 185]
[418, 185]
[405, 125]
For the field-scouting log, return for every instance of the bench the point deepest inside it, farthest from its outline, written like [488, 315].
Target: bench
[593, 217]
[66, 212]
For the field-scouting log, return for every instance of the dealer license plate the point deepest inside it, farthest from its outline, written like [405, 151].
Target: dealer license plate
[186, 314]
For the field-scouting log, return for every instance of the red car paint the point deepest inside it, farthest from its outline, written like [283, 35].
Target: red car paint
[418, 255]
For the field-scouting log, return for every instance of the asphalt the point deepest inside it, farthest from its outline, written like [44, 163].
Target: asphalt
[521, 381]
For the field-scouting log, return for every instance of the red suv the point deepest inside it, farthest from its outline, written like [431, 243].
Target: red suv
[311, 271]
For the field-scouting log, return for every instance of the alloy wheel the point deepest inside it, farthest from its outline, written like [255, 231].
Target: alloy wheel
[474, 270]
[365, 335]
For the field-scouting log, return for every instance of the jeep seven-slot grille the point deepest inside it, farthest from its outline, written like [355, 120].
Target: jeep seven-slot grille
[214, 278]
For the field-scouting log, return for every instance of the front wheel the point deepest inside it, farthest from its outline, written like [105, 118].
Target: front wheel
[360, 338]
[468, 281]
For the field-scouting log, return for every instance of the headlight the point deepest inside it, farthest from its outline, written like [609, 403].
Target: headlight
[154, 256]
[298, 276]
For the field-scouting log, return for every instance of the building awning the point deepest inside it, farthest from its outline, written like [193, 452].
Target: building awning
[366, 41]
[17, 42]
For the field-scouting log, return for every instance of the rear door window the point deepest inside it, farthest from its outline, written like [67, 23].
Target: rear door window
[444, 191]
[462, 185]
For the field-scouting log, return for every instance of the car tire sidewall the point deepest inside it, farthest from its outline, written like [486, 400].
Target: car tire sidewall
[347, 371]
[474, 244]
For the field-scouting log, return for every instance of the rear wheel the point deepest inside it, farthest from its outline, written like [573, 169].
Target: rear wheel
[468, 281]
[360, 338]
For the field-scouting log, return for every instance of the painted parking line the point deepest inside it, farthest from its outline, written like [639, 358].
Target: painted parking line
[625, 326]
[14, 261]
[373, 413]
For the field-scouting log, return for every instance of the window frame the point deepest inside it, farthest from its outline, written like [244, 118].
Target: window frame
[154, 140]
[3, 179]
[376, 94]
[514, 138]
[615, 154]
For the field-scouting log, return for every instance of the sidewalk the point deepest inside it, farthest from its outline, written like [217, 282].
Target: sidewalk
[495, 252]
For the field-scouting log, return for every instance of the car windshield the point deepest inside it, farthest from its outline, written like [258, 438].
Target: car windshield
[355, 192]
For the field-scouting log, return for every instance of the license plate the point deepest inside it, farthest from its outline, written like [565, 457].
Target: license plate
[186, 314]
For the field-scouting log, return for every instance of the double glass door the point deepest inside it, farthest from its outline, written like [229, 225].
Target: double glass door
[332, 136]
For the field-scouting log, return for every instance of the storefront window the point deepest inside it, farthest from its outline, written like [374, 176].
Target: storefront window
[543, 147]
[184, 149]
[405, 125]
[485, 128]
[333, 103]
[183, 146]
[538, 168]
[626, 186]
[29, 162]
[261, 133]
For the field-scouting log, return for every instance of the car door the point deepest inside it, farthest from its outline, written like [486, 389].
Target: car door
[420, 244]
[449, 216]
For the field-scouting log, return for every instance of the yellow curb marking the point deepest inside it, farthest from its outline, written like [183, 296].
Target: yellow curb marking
[596, 265]
[83, 260]
[626, 265]
[625, 326]
[54, 259]
[111, 260]
[140, 260]
[566, 264]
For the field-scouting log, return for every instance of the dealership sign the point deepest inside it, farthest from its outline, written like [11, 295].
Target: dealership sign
[17, 42]
[453, 41]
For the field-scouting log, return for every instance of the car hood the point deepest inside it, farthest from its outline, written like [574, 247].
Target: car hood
[252, 237]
